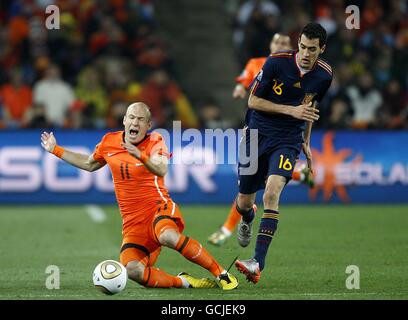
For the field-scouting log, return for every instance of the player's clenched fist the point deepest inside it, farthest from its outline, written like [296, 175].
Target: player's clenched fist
[306, 112]
[48, 141]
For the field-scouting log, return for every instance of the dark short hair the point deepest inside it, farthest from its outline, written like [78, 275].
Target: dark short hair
[314, 30]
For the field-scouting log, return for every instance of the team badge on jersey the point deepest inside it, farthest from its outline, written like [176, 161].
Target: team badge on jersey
[308, 98]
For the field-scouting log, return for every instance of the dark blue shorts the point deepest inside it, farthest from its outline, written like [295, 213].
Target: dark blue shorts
[278, 161]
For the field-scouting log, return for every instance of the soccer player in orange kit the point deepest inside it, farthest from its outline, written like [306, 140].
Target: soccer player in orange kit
[138, 161]
[280, 42]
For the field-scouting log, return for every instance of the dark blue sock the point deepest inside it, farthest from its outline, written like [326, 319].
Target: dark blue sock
[247, 216]
[267, 228]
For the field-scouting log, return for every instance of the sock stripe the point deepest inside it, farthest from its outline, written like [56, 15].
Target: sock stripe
[242, 211]
[264, 234]
[247, 216]
[148, 277]
[183, 245]
[270, 211]
[271, 216]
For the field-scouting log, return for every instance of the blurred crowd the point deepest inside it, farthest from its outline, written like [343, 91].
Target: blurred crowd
[370, 86]
[105, 55]
[108, 54]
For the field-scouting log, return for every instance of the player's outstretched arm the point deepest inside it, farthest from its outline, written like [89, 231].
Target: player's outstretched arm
[302, 112]
[81, 161]
[156, 163]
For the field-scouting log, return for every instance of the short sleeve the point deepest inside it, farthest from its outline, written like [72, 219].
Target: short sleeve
[97, 154]
[324, 89]
[245, 78]
[158, 146]
[261, 87]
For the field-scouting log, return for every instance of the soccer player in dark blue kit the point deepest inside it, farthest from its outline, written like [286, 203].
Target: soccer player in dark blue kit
[282, 108]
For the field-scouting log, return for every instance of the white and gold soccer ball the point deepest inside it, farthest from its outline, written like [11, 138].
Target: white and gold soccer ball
[110, 277]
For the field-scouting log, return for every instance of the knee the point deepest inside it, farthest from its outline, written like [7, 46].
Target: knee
[271, 196]
[245, 202]
[169, 238]
[135, 271]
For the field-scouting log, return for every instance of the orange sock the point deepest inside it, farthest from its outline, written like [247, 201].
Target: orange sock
[156, 278]
[296, 175]
[195, 252]
[233, 218]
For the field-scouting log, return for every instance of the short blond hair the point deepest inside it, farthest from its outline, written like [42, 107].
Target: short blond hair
[142, 105]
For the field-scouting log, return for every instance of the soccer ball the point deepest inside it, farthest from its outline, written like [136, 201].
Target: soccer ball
[110, 277]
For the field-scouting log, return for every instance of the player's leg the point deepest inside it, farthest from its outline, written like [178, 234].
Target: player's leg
[269, 222]
[245, 207]
[270, 218]
[139, 264]
[249, 183]
[281, 165]
[168, 226]
[221, 236]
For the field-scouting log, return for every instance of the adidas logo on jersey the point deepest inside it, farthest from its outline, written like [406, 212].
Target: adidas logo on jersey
[297, 85]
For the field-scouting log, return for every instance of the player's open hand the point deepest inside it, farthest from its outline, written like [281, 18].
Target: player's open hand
[306, 112]
[48, 141]
[133, 150]
[239, 92]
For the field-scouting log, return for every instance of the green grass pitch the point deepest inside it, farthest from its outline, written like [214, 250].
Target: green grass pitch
[307, 258]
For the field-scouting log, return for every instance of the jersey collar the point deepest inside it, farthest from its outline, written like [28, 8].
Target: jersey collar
[298, 67]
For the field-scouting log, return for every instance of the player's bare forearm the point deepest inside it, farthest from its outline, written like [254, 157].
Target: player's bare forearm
[306, 145]
[158, 169]
[156, 163]
[81, 161]
[264, 105]
[309, 125]
[302, 112]
[308, 132]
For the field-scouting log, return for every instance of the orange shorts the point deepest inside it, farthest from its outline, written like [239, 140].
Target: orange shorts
[141, 243]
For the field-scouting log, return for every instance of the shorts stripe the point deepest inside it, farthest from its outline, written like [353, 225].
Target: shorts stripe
[159, 218]
[135, 246]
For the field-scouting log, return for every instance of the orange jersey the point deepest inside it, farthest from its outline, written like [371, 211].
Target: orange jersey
[138, 191]
[252, 68]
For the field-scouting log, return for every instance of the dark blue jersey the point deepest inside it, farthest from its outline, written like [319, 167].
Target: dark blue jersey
[281, 82]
